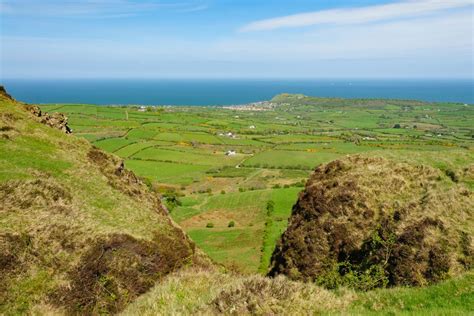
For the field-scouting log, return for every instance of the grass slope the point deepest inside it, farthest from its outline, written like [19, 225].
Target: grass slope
[78, 233]
[211, 292]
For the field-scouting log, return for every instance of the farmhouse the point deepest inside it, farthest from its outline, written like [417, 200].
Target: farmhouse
[230, 153]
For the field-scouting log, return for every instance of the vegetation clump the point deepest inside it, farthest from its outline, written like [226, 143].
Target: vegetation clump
[371, 222]
[118, 268]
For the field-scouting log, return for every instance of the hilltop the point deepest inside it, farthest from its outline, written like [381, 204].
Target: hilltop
[79, 233]
[372, 222]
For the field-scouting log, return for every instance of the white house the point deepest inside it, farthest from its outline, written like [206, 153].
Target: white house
[230, 153]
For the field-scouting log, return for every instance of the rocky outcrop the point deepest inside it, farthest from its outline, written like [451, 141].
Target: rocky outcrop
[367, 222]
[54, 120]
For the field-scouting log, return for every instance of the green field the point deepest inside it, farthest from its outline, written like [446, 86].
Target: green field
[181, 152]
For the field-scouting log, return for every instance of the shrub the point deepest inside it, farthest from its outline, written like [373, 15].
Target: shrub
[222, 192]
[210, 225]
[231, 224]
[171, 199]
[397, 126]
[270, 207]
[451, 174]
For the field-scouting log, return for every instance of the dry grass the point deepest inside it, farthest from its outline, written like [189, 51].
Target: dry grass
[211, 292]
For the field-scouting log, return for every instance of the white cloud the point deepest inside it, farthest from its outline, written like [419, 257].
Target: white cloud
[428, 38]
[438, 45]
[405, 9]
[93, 8]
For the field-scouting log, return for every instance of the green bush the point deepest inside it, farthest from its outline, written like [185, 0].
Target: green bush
[231, 224]
[210, 225]
[171, 199]
[452, 175]
[347, 275]
[270, 207]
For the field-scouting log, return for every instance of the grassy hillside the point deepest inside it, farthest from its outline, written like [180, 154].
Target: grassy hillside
[78, 232]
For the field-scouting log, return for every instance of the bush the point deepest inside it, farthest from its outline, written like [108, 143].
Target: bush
[171, 199]
[231, 224]
[222, 192]
[210, 225]
[452, 175]
[270, 207]
[397, 126]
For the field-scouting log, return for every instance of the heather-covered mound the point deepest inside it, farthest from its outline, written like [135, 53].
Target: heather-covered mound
[371, 222]
[79, 234]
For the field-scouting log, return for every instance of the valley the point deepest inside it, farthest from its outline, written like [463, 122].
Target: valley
[220, 165]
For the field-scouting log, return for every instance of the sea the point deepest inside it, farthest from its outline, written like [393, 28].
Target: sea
[229, 92]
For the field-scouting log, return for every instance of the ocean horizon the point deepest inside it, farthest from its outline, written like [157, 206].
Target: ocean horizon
[214, 92]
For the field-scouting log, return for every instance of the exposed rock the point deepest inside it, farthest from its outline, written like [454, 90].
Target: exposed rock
[55, 120]
[387, 222]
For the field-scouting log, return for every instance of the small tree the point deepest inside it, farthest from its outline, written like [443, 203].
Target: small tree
[210, 225]
[231, 224]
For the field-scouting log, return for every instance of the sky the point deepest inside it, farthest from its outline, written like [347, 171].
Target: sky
[236, 39]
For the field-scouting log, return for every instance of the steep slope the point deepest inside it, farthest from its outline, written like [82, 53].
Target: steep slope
[78, 232]
[371, 222]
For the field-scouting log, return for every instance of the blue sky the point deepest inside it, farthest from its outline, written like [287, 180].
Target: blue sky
[236, 39]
